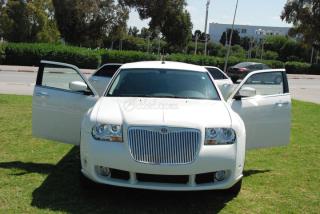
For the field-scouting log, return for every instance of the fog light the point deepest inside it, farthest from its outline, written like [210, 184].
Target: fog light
[104, 171]
[220, 175]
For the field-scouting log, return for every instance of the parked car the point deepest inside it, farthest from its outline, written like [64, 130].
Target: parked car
[161, 125]
[100, 79]
[239, 71]
[224, 82]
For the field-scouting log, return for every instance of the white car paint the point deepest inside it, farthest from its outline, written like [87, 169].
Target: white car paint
[259, 121]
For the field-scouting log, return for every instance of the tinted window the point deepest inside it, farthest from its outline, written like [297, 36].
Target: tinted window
[107, 71]
[216, 74]
[268, 83]
[163, 83]
[59, 77]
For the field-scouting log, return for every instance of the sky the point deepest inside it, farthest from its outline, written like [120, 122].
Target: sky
[250, 12]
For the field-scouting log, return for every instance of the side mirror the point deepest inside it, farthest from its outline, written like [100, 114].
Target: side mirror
[247, 92]
[78, 86]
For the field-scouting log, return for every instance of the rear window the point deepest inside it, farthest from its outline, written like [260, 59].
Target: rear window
[216, 74]
[107, 71]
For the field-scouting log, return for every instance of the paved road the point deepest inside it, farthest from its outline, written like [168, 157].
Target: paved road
[20, 80]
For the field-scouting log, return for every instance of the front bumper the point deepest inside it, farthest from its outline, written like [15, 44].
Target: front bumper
[117, 156]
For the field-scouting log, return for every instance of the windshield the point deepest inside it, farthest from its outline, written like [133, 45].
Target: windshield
[163, 83]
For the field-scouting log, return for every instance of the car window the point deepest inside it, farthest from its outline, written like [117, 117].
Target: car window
[266, 67]
[216, 73]
[269, 83]
[59, 77]
[107, 71]
[252, 67]
[163, 83]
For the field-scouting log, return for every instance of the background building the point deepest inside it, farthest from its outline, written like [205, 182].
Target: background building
[216, 30]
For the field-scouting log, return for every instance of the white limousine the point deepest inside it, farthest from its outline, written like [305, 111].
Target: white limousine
[162, 125]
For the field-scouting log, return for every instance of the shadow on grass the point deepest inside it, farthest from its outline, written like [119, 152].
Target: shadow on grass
[61, 191]
[28, 167]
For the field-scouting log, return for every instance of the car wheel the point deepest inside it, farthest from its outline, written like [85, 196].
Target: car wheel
[235, 189]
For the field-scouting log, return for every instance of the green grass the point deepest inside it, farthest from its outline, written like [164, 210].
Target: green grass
[38, 176]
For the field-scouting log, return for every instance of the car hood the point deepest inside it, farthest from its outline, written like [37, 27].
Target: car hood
[163, 112]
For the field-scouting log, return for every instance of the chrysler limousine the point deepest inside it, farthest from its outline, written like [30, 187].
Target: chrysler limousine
[162, 125]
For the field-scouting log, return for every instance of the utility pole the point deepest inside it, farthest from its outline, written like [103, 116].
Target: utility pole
[262, 48]
[196, 44]
[312, 53]
[229, 48]
[205, 28]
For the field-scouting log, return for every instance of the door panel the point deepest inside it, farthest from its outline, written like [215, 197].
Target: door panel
[267, 116]
[57, 111]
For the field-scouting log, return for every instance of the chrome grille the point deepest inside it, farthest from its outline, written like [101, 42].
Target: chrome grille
[159, 145]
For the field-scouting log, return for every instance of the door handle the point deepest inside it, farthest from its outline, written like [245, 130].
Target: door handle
[42, 94]
[94, 79]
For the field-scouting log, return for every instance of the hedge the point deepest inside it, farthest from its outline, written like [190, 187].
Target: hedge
[218, 61]
[31, 54]
[2, 52]
[302, 68]
[112, 56]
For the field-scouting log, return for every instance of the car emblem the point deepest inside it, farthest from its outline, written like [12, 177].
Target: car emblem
[164, 131]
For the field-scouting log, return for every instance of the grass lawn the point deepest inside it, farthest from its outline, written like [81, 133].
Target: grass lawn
[38, 176]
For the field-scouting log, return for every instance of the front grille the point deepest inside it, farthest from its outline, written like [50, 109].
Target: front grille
[159, 145]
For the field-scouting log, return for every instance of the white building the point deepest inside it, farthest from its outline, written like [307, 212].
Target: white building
[257, 32]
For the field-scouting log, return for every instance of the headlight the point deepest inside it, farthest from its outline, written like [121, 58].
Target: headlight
[220, 136]
[111, 133]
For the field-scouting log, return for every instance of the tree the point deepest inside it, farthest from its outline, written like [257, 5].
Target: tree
[88, 22]
[145, 33]
[133, 31]
[235, 37]
[170, 16]
[28, 21]
[275, 43]
[305, 16]
[197, 34]
[245, 42]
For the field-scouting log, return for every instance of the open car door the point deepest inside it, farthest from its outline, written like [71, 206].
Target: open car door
[62, 95]
[263, 102]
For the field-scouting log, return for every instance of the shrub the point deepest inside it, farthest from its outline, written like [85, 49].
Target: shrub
[2, 52]
[314, 69]
[112, 56]
[270, 55]
[297, 67]
[31, 54]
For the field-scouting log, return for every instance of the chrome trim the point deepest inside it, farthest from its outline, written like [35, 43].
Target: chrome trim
[151, 145]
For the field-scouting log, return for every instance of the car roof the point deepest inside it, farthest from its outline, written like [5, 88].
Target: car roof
[207, 66]
[247, 63]
[111, 64]
[164, 65]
